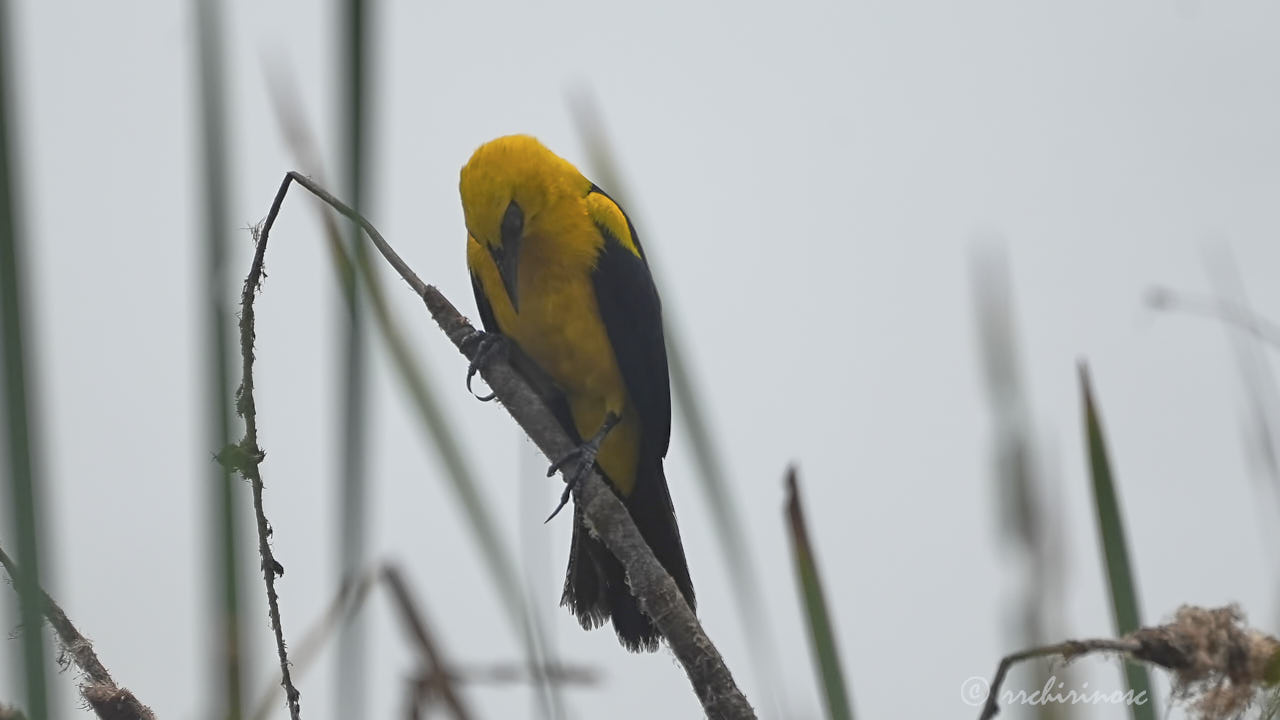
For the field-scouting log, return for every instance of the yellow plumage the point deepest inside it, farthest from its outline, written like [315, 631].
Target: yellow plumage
[586, 314]
[558, 325]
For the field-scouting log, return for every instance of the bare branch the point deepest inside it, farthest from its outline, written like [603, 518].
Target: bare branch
[115, 703]
[430, 656]
[108, 700]
[605, 514]
[1218, 664]
[246, 458]
[350, 596]
[353, 592]
[1068, 650]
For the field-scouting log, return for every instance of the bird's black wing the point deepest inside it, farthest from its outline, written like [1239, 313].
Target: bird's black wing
[632, 315]
[482, 304]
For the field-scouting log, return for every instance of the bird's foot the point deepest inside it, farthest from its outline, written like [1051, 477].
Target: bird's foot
[585, 455]
[485, 345]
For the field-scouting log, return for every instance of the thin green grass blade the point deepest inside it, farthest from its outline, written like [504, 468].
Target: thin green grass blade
[821, 633]
[1124, 594]
[707, 457]
[223, 524]
[24, 480]
[352, 492]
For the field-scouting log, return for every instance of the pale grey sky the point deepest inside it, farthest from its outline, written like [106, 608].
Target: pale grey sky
[811, 178]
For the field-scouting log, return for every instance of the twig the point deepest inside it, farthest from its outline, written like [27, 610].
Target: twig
[1217, 663]
[247, 457]
[352, 594]
[510, 673]
[108, 700]
[605, 514]
[1068, 650]
[430, 656]
[1266, 331]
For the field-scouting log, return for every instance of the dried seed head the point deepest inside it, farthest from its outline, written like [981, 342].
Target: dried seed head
[1218, 663]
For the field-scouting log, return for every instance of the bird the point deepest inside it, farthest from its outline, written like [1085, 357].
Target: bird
[561, 279]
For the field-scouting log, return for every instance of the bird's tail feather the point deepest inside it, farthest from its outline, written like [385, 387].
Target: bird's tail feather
[595, 587]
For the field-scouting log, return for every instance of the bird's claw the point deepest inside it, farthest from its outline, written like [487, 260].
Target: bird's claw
[486, 343]
[564, 496]
[585, 454]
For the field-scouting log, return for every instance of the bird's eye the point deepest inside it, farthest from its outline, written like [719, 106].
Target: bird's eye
[512, 224]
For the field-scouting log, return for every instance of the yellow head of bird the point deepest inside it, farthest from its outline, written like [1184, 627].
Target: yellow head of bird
[507, 186]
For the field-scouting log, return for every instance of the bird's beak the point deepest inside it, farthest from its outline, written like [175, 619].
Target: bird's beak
[507, 258]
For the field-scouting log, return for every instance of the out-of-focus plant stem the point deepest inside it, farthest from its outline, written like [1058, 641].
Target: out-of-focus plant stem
[23, 473]
[1031, 535]
[223, 525]
[353, 490]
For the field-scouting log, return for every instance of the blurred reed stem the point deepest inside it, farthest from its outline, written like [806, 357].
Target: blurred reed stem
[23, 472]
[1029, 534]
[223, 525]
[1250, 350]
[352, 496]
